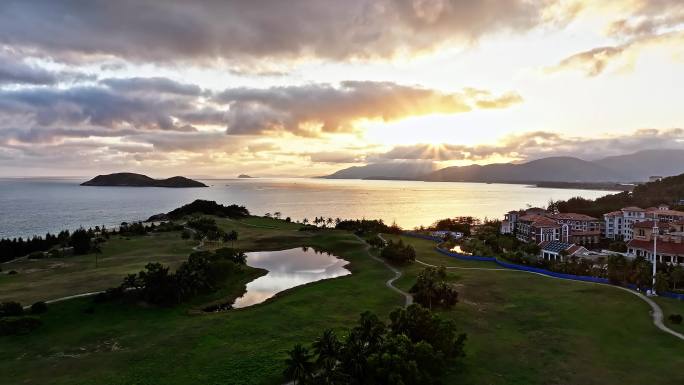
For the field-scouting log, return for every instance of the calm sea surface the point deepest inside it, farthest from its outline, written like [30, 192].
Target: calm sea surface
[36, 206]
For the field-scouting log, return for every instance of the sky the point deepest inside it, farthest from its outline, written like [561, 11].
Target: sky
[307, 87]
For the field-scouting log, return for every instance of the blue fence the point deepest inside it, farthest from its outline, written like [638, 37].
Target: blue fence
[513, 266]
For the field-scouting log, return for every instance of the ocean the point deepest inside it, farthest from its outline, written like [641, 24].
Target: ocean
[30, 206]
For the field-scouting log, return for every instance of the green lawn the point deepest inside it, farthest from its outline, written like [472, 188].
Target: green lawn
[135, 345]
[529, 329]
[522, 328]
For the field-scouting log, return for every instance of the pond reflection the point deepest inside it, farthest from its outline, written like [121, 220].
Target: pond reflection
[287, 269]
[457, 249]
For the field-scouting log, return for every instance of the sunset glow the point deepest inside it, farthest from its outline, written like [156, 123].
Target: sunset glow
[227, 97]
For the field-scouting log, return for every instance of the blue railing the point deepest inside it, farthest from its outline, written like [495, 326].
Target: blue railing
[513, 266]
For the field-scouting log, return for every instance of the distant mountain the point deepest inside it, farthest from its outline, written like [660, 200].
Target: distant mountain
[127, 179]
[554, 169]
[640, 165]
[636, 167]
[388, 170]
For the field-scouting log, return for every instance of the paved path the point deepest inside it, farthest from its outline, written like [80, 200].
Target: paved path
[656, 311]
[397, 274]
[89, 294]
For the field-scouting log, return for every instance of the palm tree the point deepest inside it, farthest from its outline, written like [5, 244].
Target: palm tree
[329, 221]
[233, 236]
[299, 365]
[327, 347]
[305, 221]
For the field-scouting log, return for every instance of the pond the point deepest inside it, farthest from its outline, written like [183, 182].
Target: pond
[287, 269]
[457, 249]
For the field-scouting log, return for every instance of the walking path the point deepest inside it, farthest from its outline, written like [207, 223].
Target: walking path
[656, 311]
[397, 274]
[69, 297]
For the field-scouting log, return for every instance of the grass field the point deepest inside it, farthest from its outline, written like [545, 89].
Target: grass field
[522, 328]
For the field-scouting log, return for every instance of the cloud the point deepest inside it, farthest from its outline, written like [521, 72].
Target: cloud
[18, 72]
[153, 103]
[649, 23]
[322, 108]
[538, 144]
[147, 30]
[335, 157]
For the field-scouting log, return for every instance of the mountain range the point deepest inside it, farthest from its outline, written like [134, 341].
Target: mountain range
[635, 167]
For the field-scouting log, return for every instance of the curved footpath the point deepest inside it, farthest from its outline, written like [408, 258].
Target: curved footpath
[397, 273]
[656, 311]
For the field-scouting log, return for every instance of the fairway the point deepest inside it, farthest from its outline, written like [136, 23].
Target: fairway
[522, 328]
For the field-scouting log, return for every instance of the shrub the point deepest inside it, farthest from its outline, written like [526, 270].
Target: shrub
[39, 307]
[398, 252]
[675, 318]
[11, 309]
[37, 255]
[21, 325]
[12, 272]
[185, 234]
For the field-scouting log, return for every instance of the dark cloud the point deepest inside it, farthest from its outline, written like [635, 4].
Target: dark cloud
[311, 109]
[18, 72]
[150, 30]
[152, 85]
[153, 103]
[539, 144]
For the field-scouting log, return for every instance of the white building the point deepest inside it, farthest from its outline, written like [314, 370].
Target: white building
[618, 224]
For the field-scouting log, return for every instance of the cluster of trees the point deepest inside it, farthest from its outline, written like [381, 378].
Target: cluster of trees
[667, 190]
[432, 289]
[203, 272]
[489, 242]
[36, 247]
[206, 227]
[205, 207]
[367, 226]
[459, 224]
[417, 347]
[13, 320]
[398, 252]
[19, 247]
[133, 229]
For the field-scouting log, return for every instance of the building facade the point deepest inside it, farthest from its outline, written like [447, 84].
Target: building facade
[669, 243]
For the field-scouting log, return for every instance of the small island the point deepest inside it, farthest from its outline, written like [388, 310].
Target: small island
[127, 179]
[245, 176]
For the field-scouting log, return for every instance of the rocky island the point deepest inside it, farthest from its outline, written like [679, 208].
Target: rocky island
[127, 179]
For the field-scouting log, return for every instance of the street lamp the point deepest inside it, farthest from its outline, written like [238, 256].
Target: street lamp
[655, 240]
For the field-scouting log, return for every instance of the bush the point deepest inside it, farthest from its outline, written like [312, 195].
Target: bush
[11, 309]
[12, 272]
[185, 234]
[398, 252]
[39, 307]
[21, 325]
[675, 318]
[37, 255]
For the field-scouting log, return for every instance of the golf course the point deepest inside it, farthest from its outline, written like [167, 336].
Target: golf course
[521, 328]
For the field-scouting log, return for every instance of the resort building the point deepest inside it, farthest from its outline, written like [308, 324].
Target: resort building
[538, 228]
[558, 251]
[584, 230]
[669, 243]
[619, 224]
[510, 222]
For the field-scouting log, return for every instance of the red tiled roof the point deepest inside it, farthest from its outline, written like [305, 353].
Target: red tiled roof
[613, 213]
[632, 208]
[643, 225]
[669, 248]
[573, 216]
[539, 221]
